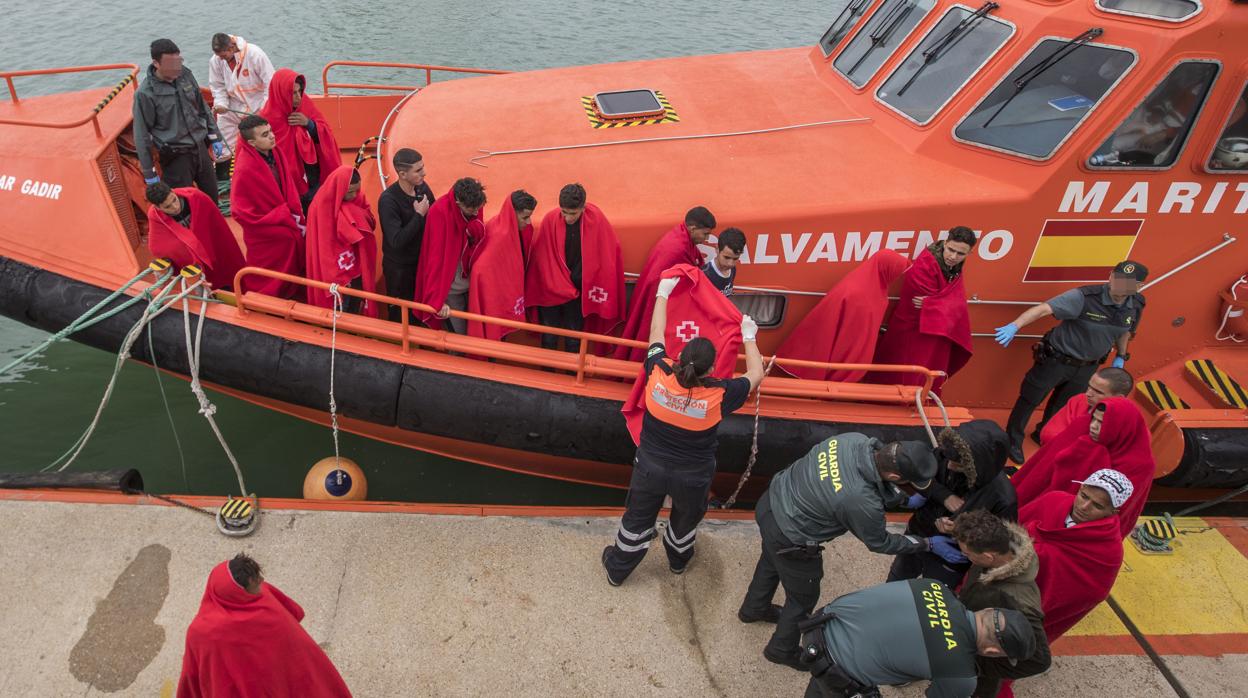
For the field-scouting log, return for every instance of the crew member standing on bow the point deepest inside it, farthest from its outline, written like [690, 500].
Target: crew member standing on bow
[1094, 319]
[676, 453]
[238, 74]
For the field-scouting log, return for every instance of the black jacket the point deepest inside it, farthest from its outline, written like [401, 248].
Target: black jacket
[984, 487]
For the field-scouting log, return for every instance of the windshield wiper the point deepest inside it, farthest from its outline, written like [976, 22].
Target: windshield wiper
[1049, 61]
[946, 42]
[854, 9]
[896, 14]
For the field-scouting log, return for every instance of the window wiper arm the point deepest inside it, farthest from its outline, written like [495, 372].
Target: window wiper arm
[854, 9]
[944, 43]
[1049, 61]
[884, 32]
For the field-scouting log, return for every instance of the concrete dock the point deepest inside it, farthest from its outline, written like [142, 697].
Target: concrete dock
[97, 598]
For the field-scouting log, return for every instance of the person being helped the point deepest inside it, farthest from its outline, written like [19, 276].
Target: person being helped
[305, 141]
[246, 641]
[454, 225]
[171, 117]
[844, 326]
[899, 632]
[402, 208]
[676, 453]
[496, 269]
[1106, 382]
[265, 202]
[843, 484]
[970, 478]
[342, 248]
[1003, 575]
[238, 75]
[1116, 437]
[1092, 320]
[186, 227]
[575, 275]
[678, 246]
[931, 325]
[722, 269]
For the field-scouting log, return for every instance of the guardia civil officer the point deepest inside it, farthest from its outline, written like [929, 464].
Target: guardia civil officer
[843, 484]
[1094, 319]
[913, 630]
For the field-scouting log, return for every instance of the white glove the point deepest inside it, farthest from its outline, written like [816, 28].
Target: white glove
[749, 329]
[666, 286]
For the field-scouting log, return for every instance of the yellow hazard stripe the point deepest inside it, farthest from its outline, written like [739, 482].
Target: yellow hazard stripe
[236, 508]
[669, 116]
[1218, 381]
[1081, 250]
[1161, 395]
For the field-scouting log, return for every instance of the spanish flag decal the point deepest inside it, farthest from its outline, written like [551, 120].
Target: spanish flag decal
[1081, 250]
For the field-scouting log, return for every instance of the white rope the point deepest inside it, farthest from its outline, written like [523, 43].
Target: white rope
[927, 425]
[333, 350]
[1226, 315]
[160, 383]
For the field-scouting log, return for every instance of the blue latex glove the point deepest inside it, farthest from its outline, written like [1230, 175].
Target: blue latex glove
[218, 149]
[151, 180]
[946, 549]
[1119, 362]
[1005, 335]
[915, 501]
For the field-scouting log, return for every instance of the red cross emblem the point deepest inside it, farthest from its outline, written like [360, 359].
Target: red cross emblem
[598, 294]
[518, 308]
[688, 331]
[346, 260]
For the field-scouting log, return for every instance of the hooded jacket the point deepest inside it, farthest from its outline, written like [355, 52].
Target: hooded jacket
[983, 486]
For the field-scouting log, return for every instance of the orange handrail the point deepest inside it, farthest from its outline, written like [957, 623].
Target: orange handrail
[585, 364]
[93, 117]
[326, 85]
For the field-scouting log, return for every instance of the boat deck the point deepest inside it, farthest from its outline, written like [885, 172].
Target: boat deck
[412, 600]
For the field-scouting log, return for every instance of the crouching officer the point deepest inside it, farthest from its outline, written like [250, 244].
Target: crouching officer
[912, 630]
[843, 484]
[1094, 319]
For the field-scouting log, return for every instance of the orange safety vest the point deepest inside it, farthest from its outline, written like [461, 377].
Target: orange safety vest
[670, 402]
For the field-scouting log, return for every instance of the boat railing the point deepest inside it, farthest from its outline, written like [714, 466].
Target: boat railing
[130, 78]
[582, 363]
[429, 70]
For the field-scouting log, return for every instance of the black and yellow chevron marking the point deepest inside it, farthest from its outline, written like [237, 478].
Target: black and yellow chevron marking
[591, 112]
[1219, 382]
[112, 94]
[1161, 395]
[1161, 529]
[236, 509]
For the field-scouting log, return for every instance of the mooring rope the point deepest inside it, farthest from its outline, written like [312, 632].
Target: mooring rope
[333, 350]
[160, 384]
[749, 466]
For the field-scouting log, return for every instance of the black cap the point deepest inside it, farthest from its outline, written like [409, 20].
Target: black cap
[1017, 637]
[916, 462]
[1135, 270]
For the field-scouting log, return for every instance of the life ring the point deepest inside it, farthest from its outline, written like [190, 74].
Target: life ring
[1234, 312]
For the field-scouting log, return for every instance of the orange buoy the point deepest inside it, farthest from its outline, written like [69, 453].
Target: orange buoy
[335, 479]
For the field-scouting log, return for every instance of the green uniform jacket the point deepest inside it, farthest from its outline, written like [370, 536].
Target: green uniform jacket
[170, 113]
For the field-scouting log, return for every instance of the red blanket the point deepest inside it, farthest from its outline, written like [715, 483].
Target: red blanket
[675, 247]
[446, 245]
[845, 326]
[549, 283]
[1075, 410]
[1078, 565]
[270, 215]
[937, 336]
[695, 309]
[341, 244]
[252, 646]
[496, 279]
[294, 144]
[208, 243]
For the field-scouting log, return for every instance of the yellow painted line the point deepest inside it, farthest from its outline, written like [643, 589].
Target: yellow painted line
[166, 691]
[1081, 250]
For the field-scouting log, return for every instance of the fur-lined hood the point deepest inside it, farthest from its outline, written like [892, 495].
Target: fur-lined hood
[1024, 566]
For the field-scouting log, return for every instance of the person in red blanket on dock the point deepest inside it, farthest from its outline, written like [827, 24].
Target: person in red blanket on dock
[342, 248]
[1115, 437]
[575, 277]
[1107, 382]
[931, 325]
[496, 270]
[264, 200]
[678, 246]
[185, 226]
[305, 141]
[452, 227]
[246, 642]
[845, 326]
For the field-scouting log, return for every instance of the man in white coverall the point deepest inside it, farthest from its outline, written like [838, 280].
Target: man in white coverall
[238, 75]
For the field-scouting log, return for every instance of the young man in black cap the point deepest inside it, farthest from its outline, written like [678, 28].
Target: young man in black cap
[402, 208]
[1094, 319]
[843, 484]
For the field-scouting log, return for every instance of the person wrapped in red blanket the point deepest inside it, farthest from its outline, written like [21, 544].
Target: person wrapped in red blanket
[186, 227]
[678, 246]
[305, 142]
[1107, 382]
[246, 642]
[575, 277]
[496, 274]
[931, 325]
[1115, 437]
[264, 200]
[342, 248]
[453, 227]
[844, 327]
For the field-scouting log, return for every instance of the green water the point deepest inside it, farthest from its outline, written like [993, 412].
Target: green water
[45, 405]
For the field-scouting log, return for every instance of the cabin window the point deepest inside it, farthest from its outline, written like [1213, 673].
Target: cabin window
[954, 50]
[879, 37]
[767, 309]
[845, 20]
[1169, 10]
[1154, 134]
[1231, 152]
[1041, 102]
